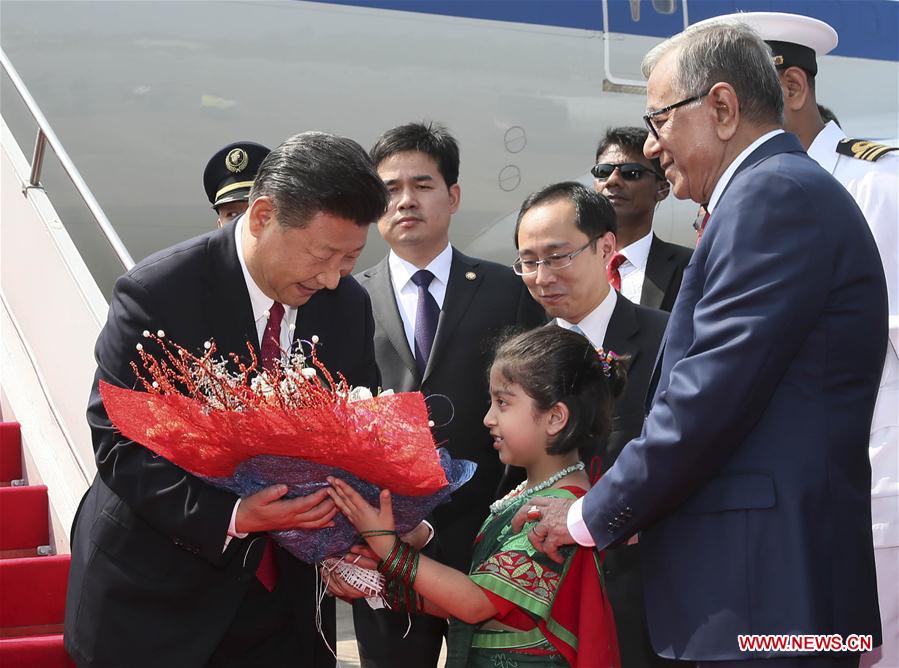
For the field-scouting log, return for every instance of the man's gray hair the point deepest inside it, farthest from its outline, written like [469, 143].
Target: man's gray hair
[728, 51]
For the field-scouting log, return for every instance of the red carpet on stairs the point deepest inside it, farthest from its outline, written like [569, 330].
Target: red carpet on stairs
[10, 452]
[32, 587]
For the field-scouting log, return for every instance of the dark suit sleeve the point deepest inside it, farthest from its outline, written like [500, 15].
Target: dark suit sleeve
[192, 513]
[764, 288]
[369, 363]
[530, 313]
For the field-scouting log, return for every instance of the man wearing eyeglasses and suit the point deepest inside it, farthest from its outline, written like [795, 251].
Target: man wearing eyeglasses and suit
[644, 268]
[750, 484]
[565, 236]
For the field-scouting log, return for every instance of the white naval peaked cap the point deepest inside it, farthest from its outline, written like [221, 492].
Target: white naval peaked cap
[795, 39]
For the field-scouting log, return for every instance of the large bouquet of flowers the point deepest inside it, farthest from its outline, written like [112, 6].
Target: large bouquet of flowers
[248, 428]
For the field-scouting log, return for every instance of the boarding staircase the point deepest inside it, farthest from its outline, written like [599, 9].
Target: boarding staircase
[32, 578]
[51, 311]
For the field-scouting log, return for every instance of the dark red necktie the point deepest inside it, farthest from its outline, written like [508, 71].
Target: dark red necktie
[612, 270]
[705, 220]
[267, 571]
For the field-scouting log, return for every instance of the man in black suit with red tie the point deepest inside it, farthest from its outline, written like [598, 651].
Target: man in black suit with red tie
[166, 569]
[645, 269]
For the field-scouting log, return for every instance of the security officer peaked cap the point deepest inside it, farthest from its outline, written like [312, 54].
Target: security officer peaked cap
[229, 174]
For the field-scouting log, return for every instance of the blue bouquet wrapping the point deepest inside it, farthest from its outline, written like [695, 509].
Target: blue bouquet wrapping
[304, 477]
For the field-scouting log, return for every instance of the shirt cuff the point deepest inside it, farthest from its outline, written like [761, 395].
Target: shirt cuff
[576, 525]
[430, 535]
[232, 529]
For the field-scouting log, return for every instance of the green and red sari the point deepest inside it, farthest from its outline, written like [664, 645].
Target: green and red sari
[560, 612]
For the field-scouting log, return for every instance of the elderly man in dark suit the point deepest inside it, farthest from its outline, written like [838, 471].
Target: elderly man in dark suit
[436, 312]
[166, 569]
[750, 483]
[644, 268]
[565, 235]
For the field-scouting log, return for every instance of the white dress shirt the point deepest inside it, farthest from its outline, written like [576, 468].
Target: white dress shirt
[728, 174]
[406, 292]
[633, 269]
[260, 305]
[594, 324]
[259, 302]
[575, 520]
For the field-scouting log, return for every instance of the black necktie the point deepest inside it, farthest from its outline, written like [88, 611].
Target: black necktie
[426, 315]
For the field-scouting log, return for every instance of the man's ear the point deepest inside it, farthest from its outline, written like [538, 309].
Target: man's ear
[794, 82]
[663, 190]
[455, 193]
[557, 419]
[260, 213]
[607, 244]
[725, 110]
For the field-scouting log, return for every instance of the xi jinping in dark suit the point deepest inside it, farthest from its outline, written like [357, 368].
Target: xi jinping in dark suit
[164, 566]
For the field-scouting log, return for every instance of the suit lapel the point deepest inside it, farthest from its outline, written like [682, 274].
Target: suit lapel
[464, 281]
[622, 332]
[660, 267]
[387, 313]
[228, 304]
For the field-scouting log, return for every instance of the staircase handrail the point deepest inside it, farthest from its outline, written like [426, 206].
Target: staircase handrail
[46, 135]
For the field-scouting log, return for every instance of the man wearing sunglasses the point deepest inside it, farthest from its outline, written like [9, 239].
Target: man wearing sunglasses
[644, 268]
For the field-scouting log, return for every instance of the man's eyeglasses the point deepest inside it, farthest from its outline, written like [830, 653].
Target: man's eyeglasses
[557, 261]
[648, 118]
[630, 171]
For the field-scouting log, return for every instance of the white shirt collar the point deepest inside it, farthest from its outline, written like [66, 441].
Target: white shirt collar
[401, 271]
[595, 323]
[637, 253]
[258, 301]
[732, 168]
[824, 147]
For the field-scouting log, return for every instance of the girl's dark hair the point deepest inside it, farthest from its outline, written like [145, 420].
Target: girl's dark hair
[556, 365]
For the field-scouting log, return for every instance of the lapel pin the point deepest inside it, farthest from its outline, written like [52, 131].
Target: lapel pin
[470, 275]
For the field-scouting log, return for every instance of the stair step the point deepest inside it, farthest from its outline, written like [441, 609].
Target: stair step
[33, 591]
[24, 517]
[33, 630]
[10, 451]
[44, 651]
[41, 551]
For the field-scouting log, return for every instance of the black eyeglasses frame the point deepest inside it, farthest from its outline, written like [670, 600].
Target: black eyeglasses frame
[550, 260]
[647, 118]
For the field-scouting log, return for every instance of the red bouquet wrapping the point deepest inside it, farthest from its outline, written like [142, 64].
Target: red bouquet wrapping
[242, 428]
[384, 440]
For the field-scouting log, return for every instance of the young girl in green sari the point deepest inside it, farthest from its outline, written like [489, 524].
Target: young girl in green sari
[551, 394]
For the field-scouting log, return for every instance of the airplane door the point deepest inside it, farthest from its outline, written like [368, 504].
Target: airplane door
[630, 29]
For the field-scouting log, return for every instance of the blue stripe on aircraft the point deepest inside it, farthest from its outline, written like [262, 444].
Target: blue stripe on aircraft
[867, 28]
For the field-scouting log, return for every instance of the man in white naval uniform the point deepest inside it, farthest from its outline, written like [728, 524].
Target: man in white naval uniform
[870, 172]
